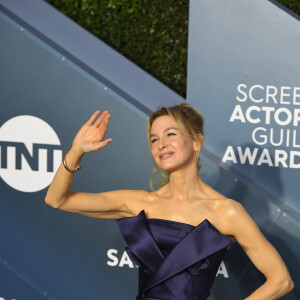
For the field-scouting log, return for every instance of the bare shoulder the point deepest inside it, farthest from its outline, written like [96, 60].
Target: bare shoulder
[127, 195]
[136, 200]
[233, 215]
[229, 208]
[238, 223]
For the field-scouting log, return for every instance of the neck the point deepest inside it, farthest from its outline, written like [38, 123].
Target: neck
[185, 184]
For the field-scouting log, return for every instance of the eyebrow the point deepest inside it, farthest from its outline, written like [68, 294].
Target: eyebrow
[164, 130]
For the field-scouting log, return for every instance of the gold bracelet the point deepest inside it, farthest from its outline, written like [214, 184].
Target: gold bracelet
[78, 168]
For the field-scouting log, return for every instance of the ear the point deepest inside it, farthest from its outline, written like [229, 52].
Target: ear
[199, 143]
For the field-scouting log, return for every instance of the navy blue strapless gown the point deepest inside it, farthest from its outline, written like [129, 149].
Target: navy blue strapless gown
[176, 261]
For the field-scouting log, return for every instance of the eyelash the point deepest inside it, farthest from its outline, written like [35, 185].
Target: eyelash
[169, 134]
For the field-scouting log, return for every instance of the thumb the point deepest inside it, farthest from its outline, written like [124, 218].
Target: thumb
[104, 143]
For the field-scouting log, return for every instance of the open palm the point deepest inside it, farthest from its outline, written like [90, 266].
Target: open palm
[91, 135]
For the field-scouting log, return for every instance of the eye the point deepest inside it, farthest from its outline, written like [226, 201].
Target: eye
[171, 133]
[154, 140]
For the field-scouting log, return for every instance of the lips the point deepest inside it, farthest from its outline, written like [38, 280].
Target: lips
[166, 155]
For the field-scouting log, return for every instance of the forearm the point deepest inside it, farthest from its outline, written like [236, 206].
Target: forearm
[271, 291]
[61, 186]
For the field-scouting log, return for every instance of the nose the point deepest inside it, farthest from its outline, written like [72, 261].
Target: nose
[162, 144]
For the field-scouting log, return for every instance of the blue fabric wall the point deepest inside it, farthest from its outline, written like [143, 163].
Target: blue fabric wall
[48, 91]
[243, 75]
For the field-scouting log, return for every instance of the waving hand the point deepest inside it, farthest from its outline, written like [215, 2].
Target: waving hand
[91, 135]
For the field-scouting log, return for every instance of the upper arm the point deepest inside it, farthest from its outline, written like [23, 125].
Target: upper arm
[106, 205]
[260, 251]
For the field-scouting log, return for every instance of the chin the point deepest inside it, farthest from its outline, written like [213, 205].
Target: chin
[169, 169]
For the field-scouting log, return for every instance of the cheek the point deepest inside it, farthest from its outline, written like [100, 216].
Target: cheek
[188, 148]
[185, 144]
[153, 150]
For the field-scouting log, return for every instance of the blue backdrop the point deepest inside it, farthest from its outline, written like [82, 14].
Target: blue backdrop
[243, 75]
[51, 84]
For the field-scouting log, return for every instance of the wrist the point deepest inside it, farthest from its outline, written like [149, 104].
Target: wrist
[72, 158]
[76, 152]
[78, 168]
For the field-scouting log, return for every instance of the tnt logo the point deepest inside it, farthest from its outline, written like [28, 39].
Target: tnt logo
[30, 153]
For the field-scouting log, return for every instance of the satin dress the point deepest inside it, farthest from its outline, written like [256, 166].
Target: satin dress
[176, 261]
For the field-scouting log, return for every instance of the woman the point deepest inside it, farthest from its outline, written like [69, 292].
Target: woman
[178, 234]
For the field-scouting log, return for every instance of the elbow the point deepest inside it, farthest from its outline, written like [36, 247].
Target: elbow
[289, 285]
[51, 203]
[286, 285]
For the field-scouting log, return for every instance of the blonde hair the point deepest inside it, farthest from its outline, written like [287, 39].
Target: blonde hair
[188, 120]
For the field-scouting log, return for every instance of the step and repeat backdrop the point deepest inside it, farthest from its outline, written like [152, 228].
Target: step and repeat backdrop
[45, 99]
[244, 76]
[244, 81]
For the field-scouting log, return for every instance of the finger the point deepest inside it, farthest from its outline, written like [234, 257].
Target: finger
[104, 126]
[103, 143]
[101, 118]
[93, 117]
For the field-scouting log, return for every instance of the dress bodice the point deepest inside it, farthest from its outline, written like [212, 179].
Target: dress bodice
[176, 261]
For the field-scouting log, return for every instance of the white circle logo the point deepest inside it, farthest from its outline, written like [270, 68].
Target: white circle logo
[30, 153]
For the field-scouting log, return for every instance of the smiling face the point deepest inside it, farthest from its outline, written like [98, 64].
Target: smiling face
[171, 148]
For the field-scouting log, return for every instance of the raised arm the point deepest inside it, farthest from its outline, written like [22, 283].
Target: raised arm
[110, 205]
[260, 251]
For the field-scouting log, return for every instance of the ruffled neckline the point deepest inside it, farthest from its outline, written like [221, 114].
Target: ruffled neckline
[202, 241]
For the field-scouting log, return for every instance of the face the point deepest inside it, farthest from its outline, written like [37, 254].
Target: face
[171, 148]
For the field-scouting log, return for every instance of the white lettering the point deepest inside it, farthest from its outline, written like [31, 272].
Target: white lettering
[111, 255]
[242, 92]
[222, 270]
[265, 158]
[296, 116]
[251, 91]
[295, 145]
[248, 116]
[294, 165]
[229, 155]
[283, 94]
[281, 156]
[263, 136]
[237, 114]
[296, 95]
[247, 155]
[28, 161]
[268, 110]
[280, 139]
[114, 260]
[288, 114]
[266, 114]
[125, 260]
[271, 95]
[287, 137]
